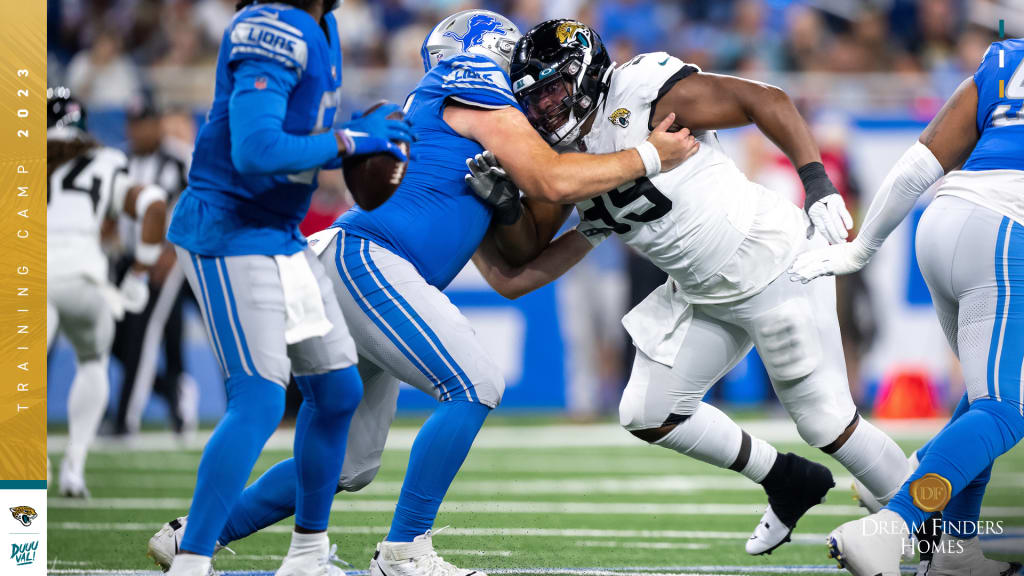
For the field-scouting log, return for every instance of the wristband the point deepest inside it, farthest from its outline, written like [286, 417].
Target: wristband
[650, 157]
[811, 175]
[147, 254]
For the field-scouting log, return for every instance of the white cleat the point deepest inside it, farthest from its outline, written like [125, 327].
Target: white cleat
[72, 480]
[416, 558]
[315, 563]
[871, 546]
[769, 534]
[959, 557]
[166, 543]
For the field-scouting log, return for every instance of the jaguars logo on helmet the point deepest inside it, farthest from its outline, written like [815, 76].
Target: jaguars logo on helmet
[570, 33]
[620, 117]
[24, 514]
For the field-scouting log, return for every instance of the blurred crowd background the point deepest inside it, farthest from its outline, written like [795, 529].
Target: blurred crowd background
[866, 74]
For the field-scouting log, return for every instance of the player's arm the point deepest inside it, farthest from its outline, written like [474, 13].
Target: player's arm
[944, 145]
[703, 101]
[514, 281]
[147, 205]
[260, 144]
[542, 173]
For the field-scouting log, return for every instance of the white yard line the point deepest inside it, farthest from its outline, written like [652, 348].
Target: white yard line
[512, 507]
[641, 545]
[508, 437]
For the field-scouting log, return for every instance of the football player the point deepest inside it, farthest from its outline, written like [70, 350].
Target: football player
[88, 186]
[389, 268]
[267, 302]
[969, 243]
[725, 243]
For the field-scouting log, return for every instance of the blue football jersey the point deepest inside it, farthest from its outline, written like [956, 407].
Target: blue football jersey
[225, 212]
[434, 220]
[1000, 83]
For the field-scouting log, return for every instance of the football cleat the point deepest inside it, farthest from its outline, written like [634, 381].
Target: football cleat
[788, 502]
[416, 558]
[871, 546]
[72, 481]
[315, 563]
[963, 557]
[167, 542]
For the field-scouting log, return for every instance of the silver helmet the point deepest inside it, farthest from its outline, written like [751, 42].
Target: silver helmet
[480, 32]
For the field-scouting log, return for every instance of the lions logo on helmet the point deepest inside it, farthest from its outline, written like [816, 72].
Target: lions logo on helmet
[478, 26]
[24, 514]
[570, 33]
[620, 117]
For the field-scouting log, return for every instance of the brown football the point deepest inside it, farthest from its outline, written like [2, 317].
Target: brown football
[373, 178]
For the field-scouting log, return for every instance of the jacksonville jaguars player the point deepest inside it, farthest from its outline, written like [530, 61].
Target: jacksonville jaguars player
[267, 302]
[389, 268]
[970, 242]
[725, 243]
[89, 185]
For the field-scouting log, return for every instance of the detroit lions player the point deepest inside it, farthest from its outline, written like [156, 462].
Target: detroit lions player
[725, 243]
[88, 185]
[389, 268]
[970, 244]
[268, 305]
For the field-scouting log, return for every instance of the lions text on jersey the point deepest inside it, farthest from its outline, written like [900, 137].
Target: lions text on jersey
[434, 220]
[225, 212]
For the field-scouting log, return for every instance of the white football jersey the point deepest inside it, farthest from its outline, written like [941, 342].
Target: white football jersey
[82, 193]
[720, 236]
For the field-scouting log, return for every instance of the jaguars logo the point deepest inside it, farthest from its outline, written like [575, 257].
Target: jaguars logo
[24, 514]
[620, 117]
[570, 33]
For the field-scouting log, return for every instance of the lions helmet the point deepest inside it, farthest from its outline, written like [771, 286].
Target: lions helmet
[480, 32]
[560, 73]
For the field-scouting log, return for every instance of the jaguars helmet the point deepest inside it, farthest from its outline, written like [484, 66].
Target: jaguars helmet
[560, 74]
[65, 115]
[480, 32]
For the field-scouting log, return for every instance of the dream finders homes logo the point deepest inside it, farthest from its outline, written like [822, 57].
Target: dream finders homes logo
[24, 554]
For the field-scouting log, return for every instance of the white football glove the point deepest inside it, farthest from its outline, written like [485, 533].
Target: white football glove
[835, 260]
[830, 216]
[134, 291]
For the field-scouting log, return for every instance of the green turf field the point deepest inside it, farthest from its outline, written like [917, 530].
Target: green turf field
[533, 499]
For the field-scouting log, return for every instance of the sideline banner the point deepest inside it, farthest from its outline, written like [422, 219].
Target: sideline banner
[23, 289]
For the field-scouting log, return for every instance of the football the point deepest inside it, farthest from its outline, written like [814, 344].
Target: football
[373, 178]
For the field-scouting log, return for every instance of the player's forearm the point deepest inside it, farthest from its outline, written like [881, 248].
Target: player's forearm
[572, 177]
[912, 175]
[515, 281]
[778, 119]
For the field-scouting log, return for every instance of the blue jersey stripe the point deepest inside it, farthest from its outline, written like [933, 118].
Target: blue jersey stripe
[220, 317]
[1012, 360]
[999, 324]
[223, 269]
[210, 327]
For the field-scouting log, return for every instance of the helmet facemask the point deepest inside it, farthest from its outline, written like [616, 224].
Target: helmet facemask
[558, 106]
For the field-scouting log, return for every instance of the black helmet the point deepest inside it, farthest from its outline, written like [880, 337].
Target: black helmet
[560, 72]
[63, 110]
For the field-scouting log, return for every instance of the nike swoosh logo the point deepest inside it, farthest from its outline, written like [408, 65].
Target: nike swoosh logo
[665, 61]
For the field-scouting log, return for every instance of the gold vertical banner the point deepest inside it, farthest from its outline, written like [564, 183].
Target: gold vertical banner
[22, 246]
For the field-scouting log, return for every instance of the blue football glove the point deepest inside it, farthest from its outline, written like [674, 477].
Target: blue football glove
[375, 133]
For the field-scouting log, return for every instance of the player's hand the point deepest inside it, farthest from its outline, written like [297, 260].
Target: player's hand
[830, 216]
[835, 260]
[491, 183]
[673, 147]
[134, 291]
[374, 133]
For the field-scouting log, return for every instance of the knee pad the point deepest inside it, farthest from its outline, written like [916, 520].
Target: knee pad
[355, 482]
[787, 340]
[485, 384]
[819, 428]
[336, 392]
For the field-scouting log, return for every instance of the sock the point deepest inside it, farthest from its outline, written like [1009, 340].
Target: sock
[875, 460]
[254, 409]
[87, 401]
[709, 435]
[309, 544]
[437, 454]
[961, 452]
[189, 564]
[961, 409]
[321, 430]
[960, 518]
[267, 501]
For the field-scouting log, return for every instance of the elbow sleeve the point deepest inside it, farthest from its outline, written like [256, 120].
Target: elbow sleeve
[915, 172]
